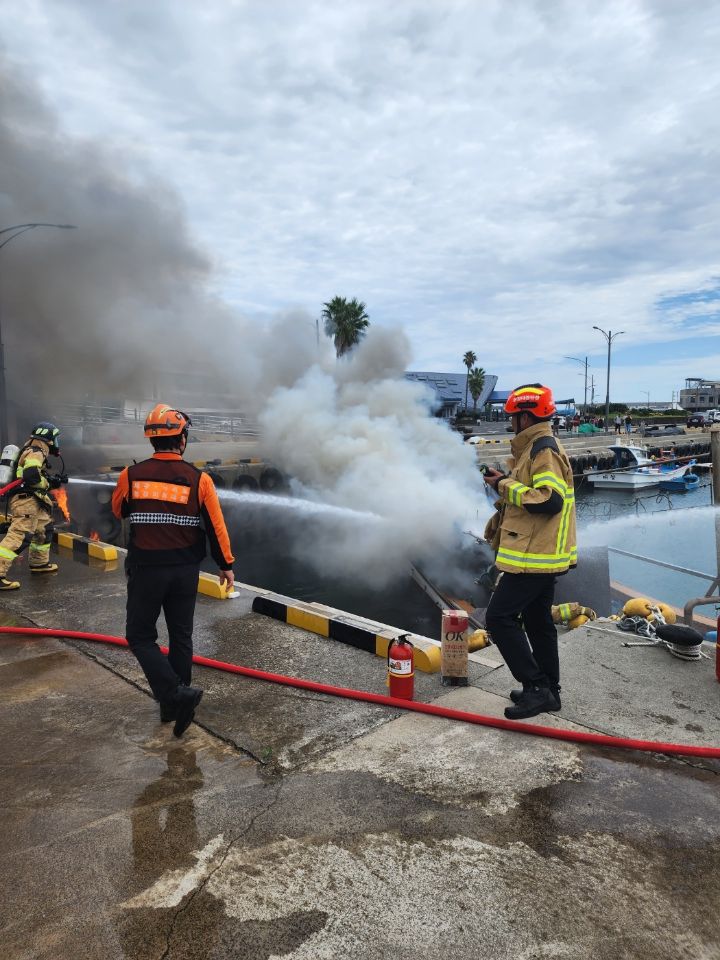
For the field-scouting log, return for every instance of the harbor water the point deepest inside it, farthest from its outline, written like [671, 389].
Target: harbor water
[673, 528]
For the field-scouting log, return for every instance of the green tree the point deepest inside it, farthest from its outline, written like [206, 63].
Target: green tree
[345, 321]
[476, 382]
[469, 360]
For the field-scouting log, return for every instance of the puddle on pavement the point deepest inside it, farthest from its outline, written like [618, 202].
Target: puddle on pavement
[35, 676]
[634, 799]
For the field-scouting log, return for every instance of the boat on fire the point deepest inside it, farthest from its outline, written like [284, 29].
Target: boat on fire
[633, 469]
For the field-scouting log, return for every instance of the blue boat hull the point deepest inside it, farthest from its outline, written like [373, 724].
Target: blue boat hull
[691, 481]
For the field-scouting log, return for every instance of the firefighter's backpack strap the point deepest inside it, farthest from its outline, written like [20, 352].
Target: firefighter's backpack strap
[543, 443]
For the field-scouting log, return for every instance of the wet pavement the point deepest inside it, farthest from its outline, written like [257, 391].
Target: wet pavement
[290, 824]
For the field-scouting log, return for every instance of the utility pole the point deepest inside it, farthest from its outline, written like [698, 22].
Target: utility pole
[609, 336]
[585, 364]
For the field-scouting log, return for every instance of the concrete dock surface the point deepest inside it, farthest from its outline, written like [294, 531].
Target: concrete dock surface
[290, 824]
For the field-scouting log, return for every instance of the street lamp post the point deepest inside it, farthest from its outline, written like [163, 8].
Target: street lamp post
[609, 336]
[14, 232]
[647, 394]
[585, 364]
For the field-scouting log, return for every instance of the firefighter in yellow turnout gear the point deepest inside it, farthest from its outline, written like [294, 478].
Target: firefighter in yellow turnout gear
[533, 534]
[30, 507]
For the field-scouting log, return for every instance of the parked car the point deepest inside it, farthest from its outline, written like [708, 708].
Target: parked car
[476, 440]
[697, 420]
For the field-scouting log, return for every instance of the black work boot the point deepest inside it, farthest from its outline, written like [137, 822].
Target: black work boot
[532, 702]
[515, 695]
[186, 699]
[168, 712]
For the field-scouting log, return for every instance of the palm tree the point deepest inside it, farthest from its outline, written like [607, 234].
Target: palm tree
[476, 381]
[469, 360]
[345, 322]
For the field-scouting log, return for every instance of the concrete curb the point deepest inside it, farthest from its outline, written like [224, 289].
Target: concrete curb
[209, 585]
[92, 548]
[354, 631]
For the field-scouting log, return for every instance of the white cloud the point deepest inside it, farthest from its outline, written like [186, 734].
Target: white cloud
[490, 175]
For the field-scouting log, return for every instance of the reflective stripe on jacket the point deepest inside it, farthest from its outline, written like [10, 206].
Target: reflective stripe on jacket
[32, 469]
[537, 526]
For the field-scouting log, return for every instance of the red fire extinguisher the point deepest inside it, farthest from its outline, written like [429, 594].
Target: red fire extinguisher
[401, 668]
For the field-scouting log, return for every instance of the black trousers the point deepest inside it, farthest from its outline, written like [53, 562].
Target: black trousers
[172, 589]
[524, 600]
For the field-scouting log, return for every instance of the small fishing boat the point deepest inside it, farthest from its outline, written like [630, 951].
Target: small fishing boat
[634, 470]
[684, 484]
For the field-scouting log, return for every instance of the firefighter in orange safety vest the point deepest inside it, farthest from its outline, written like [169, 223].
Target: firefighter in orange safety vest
[173, 508]
[533, 534]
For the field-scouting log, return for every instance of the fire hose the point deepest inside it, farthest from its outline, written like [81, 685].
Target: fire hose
[572, 736]
[10, 486]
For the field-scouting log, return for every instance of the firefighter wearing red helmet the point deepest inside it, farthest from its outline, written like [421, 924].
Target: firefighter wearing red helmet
[173, 509]
[533, 534]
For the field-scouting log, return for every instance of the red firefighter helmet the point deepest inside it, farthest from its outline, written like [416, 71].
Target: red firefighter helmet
[164, 421]
[532, 398]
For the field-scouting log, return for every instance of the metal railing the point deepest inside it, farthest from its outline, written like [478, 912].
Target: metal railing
[707, 600]
[232, 424]
[661, 563]
[77, 414]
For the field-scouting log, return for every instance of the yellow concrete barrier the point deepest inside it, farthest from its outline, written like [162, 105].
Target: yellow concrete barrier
[92, 548]
[210, 586]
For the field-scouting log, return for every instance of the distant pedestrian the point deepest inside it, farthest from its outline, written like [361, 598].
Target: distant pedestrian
[642, 428]
[556, 426]
[628, 424]
[618, 424]
[172, 508]
[575, 423]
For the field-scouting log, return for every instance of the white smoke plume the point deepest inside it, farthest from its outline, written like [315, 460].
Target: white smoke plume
[356, 434]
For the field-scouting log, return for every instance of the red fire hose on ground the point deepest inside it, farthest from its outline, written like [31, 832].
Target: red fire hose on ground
[573, 736]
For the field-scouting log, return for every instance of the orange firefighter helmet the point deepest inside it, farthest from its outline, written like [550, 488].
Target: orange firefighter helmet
[164, 421]
[532, 398]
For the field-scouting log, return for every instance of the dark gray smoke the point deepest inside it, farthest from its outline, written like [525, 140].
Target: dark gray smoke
[107, 309]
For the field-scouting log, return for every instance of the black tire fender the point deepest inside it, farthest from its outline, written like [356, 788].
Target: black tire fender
[245, 482]
[271, 479]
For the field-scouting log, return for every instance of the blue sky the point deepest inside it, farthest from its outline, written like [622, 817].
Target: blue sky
[486, 175]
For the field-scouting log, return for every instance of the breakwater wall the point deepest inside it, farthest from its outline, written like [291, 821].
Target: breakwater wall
[603, 460]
